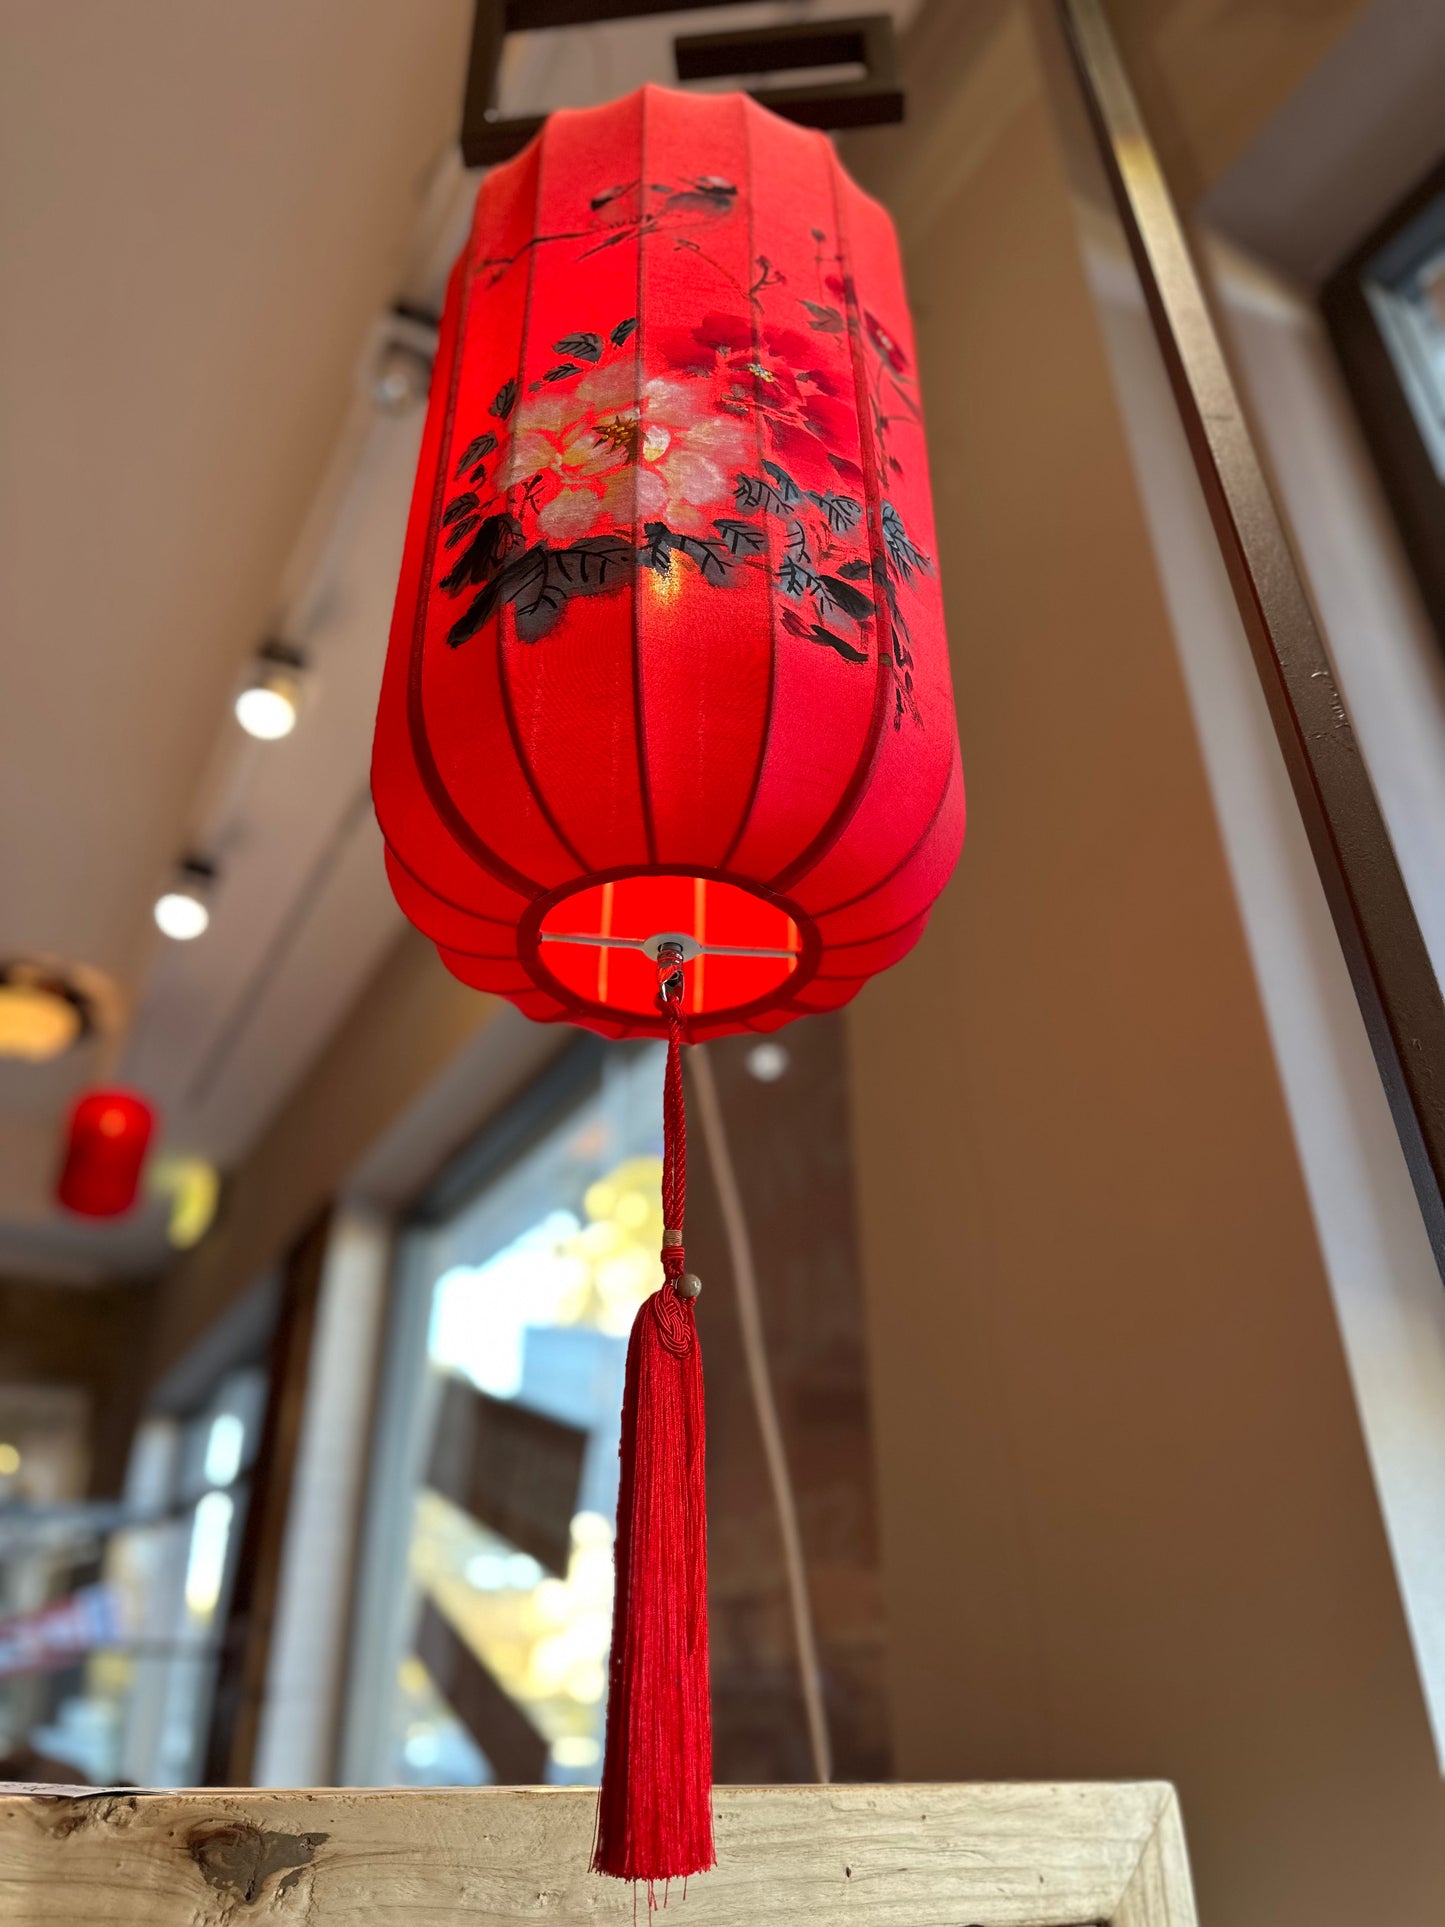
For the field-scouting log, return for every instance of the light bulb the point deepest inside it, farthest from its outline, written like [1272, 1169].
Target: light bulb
[183, 911]
[400, 379]
[267, 710]
[181, 914]
[767, 1062]
[39, 1015]
[268, 706]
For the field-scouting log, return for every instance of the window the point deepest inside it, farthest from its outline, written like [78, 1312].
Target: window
[485, 1615]
[1385, 308]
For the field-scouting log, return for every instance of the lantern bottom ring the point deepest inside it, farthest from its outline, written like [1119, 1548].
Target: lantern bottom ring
[598, 942]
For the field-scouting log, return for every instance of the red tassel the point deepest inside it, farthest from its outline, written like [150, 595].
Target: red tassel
[654, 1812]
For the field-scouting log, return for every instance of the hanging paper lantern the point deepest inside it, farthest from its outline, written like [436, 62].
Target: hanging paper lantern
[667, 701]
[668, 653]
[105, 1149]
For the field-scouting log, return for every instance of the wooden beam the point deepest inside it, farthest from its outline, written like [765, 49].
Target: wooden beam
[245, 1654]
[927, 1856]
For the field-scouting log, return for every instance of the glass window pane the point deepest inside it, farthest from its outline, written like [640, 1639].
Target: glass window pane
[525, 1295]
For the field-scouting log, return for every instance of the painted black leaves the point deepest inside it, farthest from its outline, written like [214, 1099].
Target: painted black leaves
[493, 538]
[841, 511]
[504, 401]
[901, 560]
[713, 557]
[586, 347]
[774, 490]
[809, 569]
[541, 582]
[583, 350]
[903, 554]
[825, 637]
[827, 320]
[742, 538]
[473, 457]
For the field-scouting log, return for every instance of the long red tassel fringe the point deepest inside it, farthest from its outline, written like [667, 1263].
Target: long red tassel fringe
[654, 1812]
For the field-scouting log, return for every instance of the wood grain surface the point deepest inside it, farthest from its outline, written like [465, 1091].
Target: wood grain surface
[886, 1856]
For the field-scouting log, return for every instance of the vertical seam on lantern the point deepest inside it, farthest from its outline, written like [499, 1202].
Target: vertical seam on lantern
[639, 335]
[460, 830]
[745, 110]
[504, 687]
[846, 808]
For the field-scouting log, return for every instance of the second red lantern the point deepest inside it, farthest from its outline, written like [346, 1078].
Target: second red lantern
[105, 1147]
[668, 657]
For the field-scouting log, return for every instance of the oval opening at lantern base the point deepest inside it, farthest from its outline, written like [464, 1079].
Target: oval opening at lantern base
[599, 943]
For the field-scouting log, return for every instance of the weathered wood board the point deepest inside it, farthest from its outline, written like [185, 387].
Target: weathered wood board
[884, 1856]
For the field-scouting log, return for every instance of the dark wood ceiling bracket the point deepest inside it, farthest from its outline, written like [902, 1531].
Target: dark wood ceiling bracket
[868, 97]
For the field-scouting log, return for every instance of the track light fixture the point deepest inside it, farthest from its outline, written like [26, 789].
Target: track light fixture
[269, 704]
[183, 911]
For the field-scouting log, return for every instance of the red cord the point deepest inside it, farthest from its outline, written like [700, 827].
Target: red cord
[674, 1120]
[654, 1809]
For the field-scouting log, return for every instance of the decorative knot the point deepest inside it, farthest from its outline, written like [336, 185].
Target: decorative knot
[674, 1317]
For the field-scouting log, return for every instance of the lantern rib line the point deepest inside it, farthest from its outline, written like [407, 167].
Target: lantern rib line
[465, 909]
[877, 936]
[504, 685]
[639, 336]
[746, 110]
[902, 864]
[860, 781]
[439, 795]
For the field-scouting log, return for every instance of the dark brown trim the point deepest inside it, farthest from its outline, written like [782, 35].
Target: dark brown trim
[245, 1645]
[1416, 493]
[1374, 919]
[874, 99]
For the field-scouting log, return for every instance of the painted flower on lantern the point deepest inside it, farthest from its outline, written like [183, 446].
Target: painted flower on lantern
[603, 456]
[769, 374]
[594, 476]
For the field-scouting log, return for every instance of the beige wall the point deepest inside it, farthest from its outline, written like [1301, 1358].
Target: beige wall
[1209, 73]
[1128, 1526]
[409, 1023]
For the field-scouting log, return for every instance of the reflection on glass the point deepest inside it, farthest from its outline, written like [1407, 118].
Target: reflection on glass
[535, 1287]
[223, 1448]
[206, 1566]
[1405, 287]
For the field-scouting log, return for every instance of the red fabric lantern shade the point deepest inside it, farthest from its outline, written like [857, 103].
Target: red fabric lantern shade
[105, 1150]
[668, 656]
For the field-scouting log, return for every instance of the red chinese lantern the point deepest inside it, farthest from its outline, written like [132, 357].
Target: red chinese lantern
[105, 1150]
[666, 741]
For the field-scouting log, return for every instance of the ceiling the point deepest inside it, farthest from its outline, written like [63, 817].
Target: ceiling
[205, 213]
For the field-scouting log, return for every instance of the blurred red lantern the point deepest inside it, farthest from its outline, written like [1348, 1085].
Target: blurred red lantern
[105, 1150]
[666, 741]
[668, 655]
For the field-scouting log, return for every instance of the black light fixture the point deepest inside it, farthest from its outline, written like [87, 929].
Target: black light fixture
[183, 911]
[269, 704]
